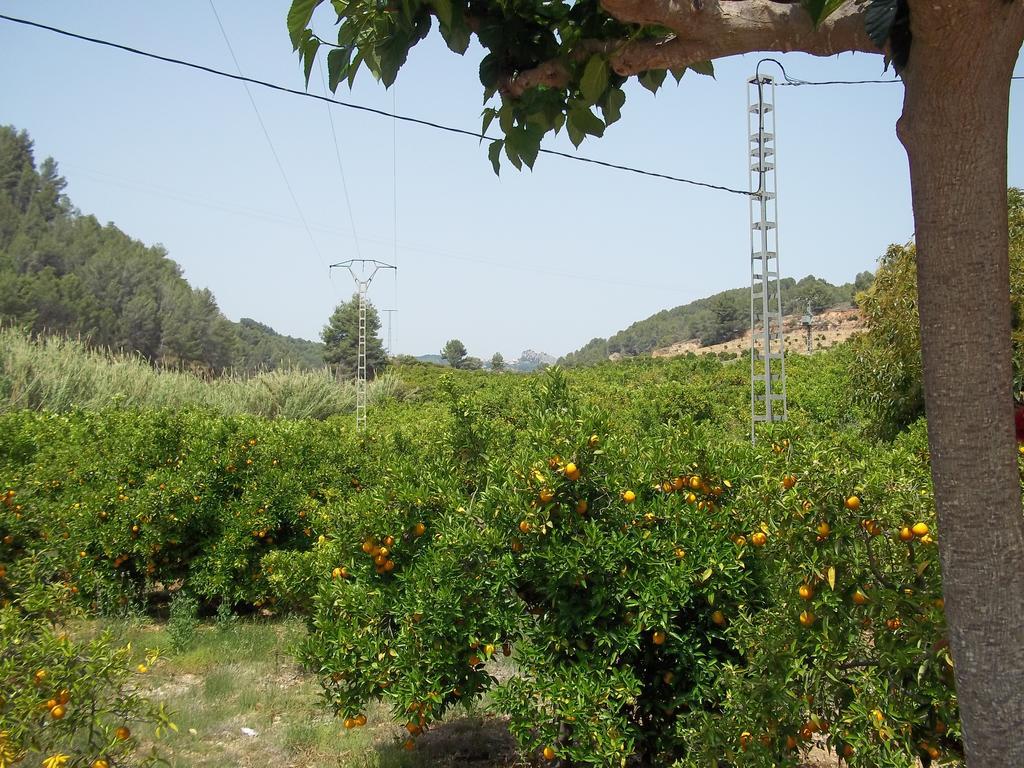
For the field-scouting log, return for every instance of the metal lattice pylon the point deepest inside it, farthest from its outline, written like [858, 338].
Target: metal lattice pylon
[767, 360]
[363, 286]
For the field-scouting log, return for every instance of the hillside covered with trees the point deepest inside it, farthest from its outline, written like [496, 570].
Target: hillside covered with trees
[64, 272]
[714, 319]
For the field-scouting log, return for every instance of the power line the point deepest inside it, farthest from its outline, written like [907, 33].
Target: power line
[266, 134]
[341, 167]
[361, 107]
[795, 82]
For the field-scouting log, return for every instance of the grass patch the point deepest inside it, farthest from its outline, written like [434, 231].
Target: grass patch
[242, 675]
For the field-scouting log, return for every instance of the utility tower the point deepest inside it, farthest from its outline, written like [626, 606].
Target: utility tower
[363, 276]
[767, 361]
[806, 323]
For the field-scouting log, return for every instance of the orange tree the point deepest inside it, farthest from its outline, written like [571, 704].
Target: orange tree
[668, 594]
[63, 701]
[132, 500]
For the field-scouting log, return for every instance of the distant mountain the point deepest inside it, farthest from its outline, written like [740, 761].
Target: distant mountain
[713, 320]
[531, 361]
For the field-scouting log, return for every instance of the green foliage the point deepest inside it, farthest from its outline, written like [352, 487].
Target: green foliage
[64, 273]
[497, 362]
[341, 341]
[886, 373]
[454, 352]
[60, 374]
[183, 620]
[452, 533]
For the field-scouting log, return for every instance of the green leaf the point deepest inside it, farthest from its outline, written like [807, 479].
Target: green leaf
[576, 134]
[299, 16]
[494, 153]
[703, 68]
[612, 106]
[678, 72]
[585, 120]
[878, 20]
[594, 80]
[337, 66]
[652, 79]
[820, 10]
[444, 11]
[309, 49]
[513, 157]
[489, 115]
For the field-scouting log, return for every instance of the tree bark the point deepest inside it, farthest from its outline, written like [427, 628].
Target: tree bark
[954, 128]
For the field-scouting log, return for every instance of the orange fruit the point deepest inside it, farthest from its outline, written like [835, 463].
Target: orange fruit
[349, 722]
[906, 534]
[58, 712]
[629, 497]
[360, 720]
[806, 592]
[122, 733]
[807, 618]
[791, 743]
[572, 472]
[788, 481]
[893, 624]
[824, 529]
[524, 526]
[658, 638]
[409, 745]
[860, 598]
[847, 751]
[759, 539]
[389, 541]
[745, 738]
[546, 495]
[419, 529]
[64, 696]
[678, 484]
[336, 573]
[99, 762]
[695, 483]
[679, 552]
[718, 618]
[852, 503]
[581, 506]
[549, 753]
[413, 728]
[920, 529]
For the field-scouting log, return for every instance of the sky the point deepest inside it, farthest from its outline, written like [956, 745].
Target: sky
[543, 260]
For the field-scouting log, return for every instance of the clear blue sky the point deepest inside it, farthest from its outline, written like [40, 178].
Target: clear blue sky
[543, 260]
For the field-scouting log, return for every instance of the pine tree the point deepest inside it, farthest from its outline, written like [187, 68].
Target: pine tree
[341, 340]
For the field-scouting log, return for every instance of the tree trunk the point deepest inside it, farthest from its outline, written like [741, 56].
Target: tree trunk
[954, 127]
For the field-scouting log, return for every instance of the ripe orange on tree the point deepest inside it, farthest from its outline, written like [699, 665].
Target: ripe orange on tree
[852, 503]
[549, 753]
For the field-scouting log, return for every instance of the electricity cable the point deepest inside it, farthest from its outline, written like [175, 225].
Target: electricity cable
[266, 134]
[341, 168]
[362, 107]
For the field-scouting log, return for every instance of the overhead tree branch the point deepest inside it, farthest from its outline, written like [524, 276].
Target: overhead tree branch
[706, 29]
